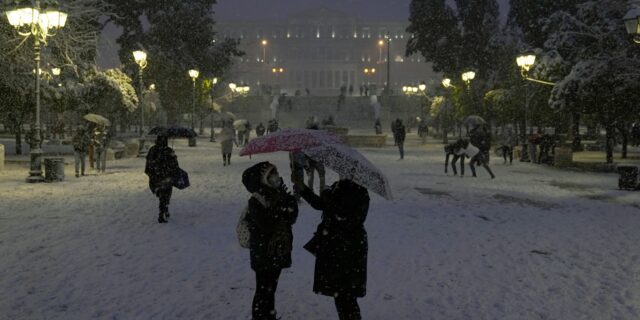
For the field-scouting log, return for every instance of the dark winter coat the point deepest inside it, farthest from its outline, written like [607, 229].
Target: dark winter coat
[271, 213]
[481, 139]
[401, 133]
[340, 241]
[162, 165]
[260, 130]
[80, 142]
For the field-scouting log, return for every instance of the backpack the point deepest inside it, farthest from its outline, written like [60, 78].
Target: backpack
[242, 229]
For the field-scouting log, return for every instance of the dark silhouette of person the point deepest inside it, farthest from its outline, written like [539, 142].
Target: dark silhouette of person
[161, 167]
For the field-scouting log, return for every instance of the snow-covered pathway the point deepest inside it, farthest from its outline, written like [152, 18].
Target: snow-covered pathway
[535, 243]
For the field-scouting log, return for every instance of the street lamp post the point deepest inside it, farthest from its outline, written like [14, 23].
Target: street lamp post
[525, 62]
[213, 137]
[632, 23]
[386, 88]
[264, 50]
[446, 83]
[34, 22]
[193, 73]
[140, 58]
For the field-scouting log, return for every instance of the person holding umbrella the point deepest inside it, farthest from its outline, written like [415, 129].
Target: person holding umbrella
[340, 243]
[162, 167]
[227, 140]
[100, 146]
[271, 212]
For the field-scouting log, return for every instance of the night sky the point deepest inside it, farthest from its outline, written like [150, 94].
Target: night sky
[277, 9]
[272, 9]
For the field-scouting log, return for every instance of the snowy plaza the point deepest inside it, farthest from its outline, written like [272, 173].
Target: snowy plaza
[535, 243]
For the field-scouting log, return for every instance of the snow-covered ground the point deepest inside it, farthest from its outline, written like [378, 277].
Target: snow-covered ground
[535, 243]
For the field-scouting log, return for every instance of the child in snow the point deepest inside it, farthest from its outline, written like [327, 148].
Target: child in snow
[271, 212]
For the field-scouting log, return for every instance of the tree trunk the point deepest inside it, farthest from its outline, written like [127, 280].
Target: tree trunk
[625, 140]
[576, 143]
[609, 144]
[19, 142]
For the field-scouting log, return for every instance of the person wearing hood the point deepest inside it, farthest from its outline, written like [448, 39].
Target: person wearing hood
[161, 167]
[340, 244]
[271, 212]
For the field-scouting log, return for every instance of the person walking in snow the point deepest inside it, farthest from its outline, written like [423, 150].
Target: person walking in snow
[466, 148]
[100, 145]
[271, 212]
[450, 150]
[162, 167]
[340, 244]
[508, 141]
[297, 164]
[80, 145]
[227, 139]
[378, 127]
[260, 129]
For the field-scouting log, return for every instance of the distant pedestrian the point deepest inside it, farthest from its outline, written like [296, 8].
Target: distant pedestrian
[508, 141]
[272, 126]
[227, 140]
[423, 130]
[161, 167]
[394, 132]
[450, 150]
[351, 89]
[274, 107]
[297, 164]
[80, 143]
[270, 214]
[100, 144]
[466, 148]
[361, 90]
[247, 134]
[378, 127]
[340, 244]
[534, 141]
[311, 166]
[260, 129]
[400, 136]
[289, 104]
[91, 127]
[307, 91]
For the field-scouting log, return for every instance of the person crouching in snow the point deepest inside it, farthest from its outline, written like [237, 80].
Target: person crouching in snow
[271, 213]
[450, 150]
[465, 148]
[161, 167]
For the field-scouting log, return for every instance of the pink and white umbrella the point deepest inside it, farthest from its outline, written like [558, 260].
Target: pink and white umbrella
[290, 140]
[350, 163]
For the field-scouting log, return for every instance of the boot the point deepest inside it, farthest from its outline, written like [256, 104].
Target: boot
[224, 159]
[162, 217]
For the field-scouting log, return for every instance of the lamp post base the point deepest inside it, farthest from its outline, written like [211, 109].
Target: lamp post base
[35, 174]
